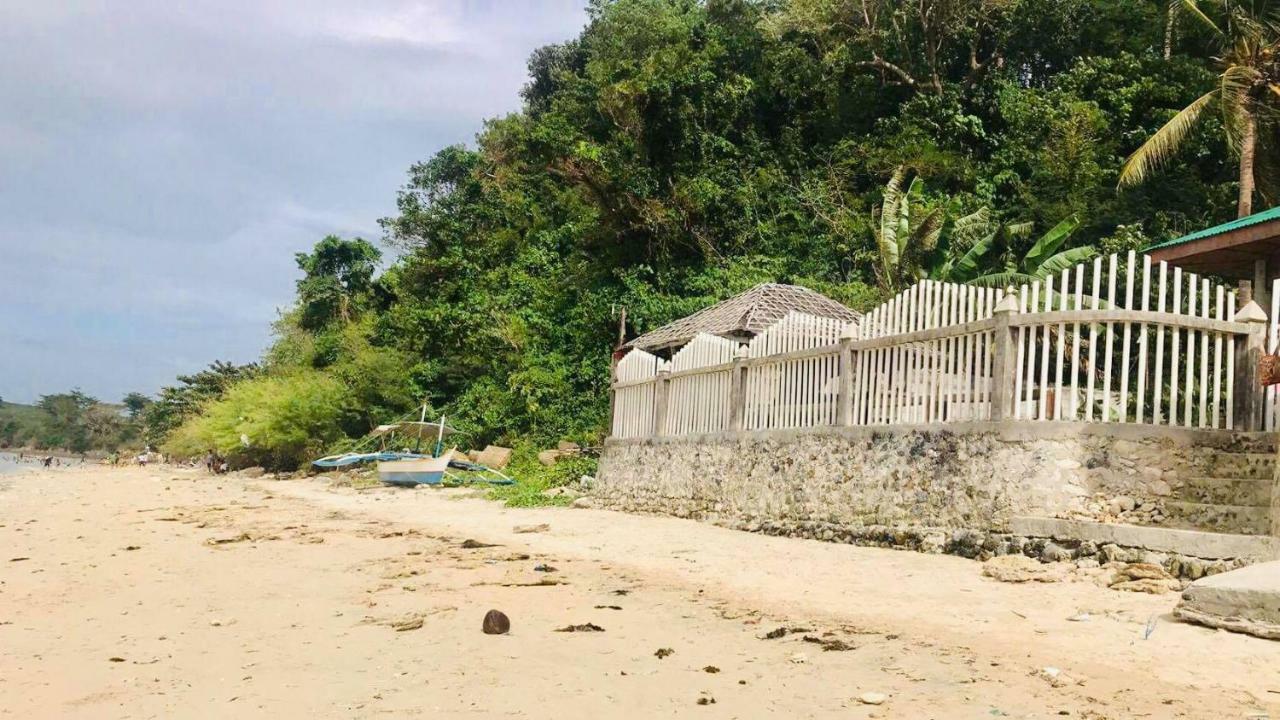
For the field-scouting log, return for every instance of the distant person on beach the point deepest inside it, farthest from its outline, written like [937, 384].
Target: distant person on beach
[48, 461]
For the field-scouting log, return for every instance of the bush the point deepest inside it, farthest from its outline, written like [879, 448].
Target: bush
[533, 478]
[279, 422]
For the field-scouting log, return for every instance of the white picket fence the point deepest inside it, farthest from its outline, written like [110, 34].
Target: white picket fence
[633, 409]
[1120, 371]
[699, 402]
[1113, 340]
[929, 379]
[785, 392]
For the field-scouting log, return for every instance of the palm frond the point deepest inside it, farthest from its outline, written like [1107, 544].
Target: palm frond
[1192, 8]
[1048, 244]
[1157, 149]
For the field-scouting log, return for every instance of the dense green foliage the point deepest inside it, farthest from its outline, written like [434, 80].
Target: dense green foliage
[70, 421]
[680, 151]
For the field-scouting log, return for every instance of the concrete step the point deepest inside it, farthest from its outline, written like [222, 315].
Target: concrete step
[1251, 442]
[1226, 491]
[1260, 466]
[1195, 543]
[1242, 519]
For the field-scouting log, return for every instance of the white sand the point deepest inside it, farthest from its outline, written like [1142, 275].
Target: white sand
[286, 622]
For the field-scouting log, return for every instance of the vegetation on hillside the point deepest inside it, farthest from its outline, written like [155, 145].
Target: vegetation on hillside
[70, 421]
[679, 151]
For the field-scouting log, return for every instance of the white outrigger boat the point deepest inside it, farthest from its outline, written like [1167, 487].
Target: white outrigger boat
[405, 468]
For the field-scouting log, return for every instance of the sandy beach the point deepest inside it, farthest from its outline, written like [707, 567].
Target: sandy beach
[162, 593]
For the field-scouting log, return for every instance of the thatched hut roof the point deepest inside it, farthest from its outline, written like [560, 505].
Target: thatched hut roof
[742, 316]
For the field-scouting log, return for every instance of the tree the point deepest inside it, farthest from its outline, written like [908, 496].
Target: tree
[136, 403]
[1246, 98]
[337, 281]
[191, 392]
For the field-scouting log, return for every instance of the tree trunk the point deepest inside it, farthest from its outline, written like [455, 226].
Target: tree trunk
[1168, 32]
[1247, 144]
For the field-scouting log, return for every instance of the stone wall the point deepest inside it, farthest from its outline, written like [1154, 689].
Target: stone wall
[974, 476]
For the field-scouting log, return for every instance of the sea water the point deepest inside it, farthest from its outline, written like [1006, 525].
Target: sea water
[9, 463]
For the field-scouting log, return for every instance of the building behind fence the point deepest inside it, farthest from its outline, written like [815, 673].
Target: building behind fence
[1111, 340]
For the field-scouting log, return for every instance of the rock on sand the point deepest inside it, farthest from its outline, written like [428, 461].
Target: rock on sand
[1245, 600]
[1020, 568]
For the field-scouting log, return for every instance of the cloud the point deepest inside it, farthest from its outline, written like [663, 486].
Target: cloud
[160, 162]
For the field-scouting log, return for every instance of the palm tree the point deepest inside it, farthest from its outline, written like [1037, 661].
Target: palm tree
[1246, 96]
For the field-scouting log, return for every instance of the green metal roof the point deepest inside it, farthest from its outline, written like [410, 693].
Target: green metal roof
[1254, 219]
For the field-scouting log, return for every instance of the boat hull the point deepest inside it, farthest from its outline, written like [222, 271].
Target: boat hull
[429, 471]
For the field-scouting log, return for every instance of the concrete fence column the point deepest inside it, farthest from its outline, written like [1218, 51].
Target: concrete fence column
[1003, 363]
[661, 389]
[1249, 393]
[613, 392]
[844, 393]
[738, 390]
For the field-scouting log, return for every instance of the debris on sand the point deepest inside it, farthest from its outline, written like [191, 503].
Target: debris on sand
[525, 529]
[711, 669]
[872, 698]
[620, 592]
[18, 559]
[608, 607]
[585, 627]
[470, 544]
[542, 582]
[408, 623]
[133, 547]
[663, 652]
[798, 658]
[543, 567]
[829, 644]
[1019, 569]
[495, 623]
[706, 700]
[782, 631]
[115, 659]
[227, 540]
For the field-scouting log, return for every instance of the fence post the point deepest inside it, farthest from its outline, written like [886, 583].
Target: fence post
[1002, 359]
[613, 392]
[660, 392]
[1249, 394]
[738, 390]
[844, 393]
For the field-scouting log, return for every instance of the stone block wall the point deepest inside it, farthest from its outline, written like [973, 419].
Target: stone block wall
[972, 476]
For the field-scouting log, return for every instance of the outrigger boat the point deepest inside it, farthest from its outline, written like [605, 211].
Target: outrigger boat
[405, 468]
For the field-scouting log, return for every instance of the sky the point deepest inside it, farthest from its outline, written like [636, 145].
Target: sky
[161, 162]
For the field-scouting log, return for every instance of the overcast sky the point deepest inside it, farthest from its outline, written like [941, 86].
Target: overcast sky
[161, 162]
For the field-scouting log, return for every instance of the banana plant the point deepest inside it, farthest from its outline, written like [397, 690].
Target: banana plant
[1041, 261]
[905, 231]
